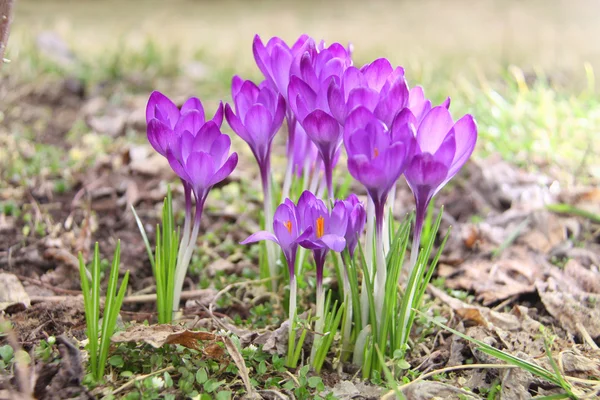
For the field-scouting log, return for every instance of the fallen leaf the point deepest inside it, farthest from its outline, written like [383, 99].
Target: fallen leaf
[571, 309]
[427, 390]
[12, 292]
[159, 335]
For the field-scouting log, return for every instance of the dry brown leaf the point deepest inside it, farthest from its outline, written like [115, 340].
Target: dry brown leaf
[159, 335]
[427, 390]
[588, 280]
[515, 273]
[12, 291]
[572, 310]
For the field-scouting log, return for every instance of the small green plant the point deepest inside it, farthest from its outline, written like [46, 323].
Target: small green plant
[164, 260]
[99, 333]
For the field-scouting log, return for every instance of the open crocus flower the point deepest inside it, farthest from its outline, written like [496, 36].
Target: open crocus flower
[377, 86]
[327, 233]
[162, 116]
[443, 147]
[258, 115]
[288, 232]
[327, 229]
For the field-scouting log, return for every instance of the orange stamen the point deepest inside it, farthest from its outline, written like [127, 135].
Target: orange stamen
[288, 225]
[376, 152]
[320, 227]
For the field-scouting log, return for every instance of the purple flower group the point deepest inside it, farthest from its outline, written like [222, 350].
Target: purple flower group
[387, 129]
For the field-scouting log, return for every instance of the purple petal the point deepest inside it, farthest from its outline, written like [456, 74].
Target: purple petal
[352, 79]
[425, 171]
[159, 136]
[334, 242]
[465, 131]
[394, 101]
[236, 125]
[417, 103]
[363, 97]
[245, 98]
[160, 104]
[279, 115]
[285, 238]
[261, 56]
[220, 149]
[358, 119]
[200, 167]
[225, 170]
[218, 117]
[258, 236]
[322, 129]
[433, 129]
[299, 89]
[258, 124]
[447, 150]
[236, 85]
[206, 136]
[377, 73]
[337, 105]
[177, 166]
[281, 60]
[191, 121]
[193, 103]
[339, 219]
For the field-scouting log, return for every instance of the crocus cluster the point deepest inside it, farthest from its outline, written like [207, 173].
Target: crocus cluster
[198, 153]
[388, 130]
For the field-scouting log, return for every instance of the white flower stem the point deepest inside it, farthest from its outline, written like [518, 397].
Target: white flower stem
[268, 216]
[182, 266]
[364, 299]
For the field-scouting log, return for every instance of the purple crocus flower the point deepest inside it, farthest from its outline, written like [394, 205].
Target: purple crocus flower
[327, 233]
[307, 97]
[162, 116]
[199, 155]
[377, 86]
[443, 147]
[275, 59]
[327, 228]
[288, 232]
[258, 115]
[376, 157]
[357, 217]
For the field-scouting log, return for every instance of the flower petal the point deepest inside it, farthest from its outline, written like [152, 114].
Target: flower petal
[161, 107]
[191, 121]
[465, 131]
[258, 236]
[377, 72]
[334, 242]
[200, 167]
[220, 149]
[236, 125]
[159, 136]
[225, 170]
[434, 128]
[193, 103]
[324, 130]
